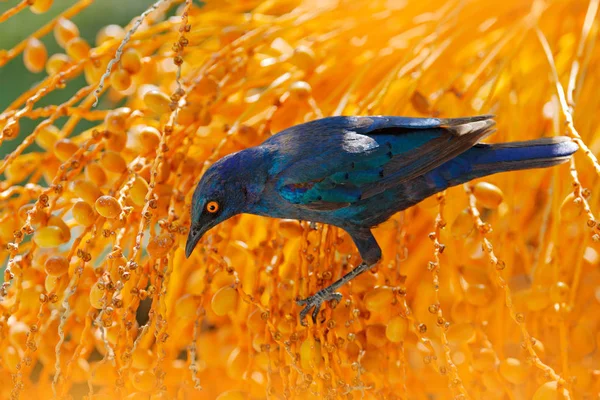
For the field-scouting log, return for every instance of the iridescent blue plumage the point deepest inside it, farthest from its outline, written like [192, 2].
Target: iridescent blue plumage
[355, 172]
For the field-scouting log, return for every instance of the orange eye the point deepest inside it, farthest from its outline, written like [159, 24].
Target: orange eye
[212, 207]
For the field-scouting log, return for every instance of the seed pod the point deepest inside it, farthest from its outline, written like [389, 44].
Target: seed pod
[56, 63]
[110, 32]
[49, 237]
[131, 61]
[224, 301]
[108, 207]
[396, 329]
[64, 149]
[86, 190]
[64, 31]
[157, 101]
[47, 137]
[77, 48]
[35, 55]
[113, 162]
[56, 266]
[40, 6]
[488, 195]
[83, 213]
[120, 80]
[378, 299]
[144, 381]
[159, 246]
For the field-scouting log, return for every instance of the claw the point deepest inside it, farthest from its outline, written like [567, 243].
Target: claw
[314, 303]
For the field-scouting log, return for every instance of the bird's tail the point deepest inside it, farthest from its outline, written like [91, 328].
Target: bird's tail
[487, 159]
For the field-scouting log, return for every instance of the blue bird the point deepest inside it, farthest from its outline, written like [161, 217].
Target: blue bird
[355, 173]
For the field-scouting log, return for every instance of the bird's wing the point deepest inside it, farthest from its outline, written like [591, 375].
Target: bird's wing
[341, 161]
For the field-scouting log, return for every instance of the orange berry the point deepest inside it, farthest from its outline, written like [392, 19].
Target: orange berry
[460, 333]
[290, 229]
[159, 246]
[96, 297]
[40, 6]
[56, 266]
[157, 101]
[144, 381]
[376, 335]
[304, 58]
[300, 90]
[113, 162]
[77, 48]
[138, 191]
[224, 301]
[488, 195]
[463, 225]
[57, 221]
[310, 354]
[131, 61]
[396, 329]
[49, 237]
[378, 299]
[550, 391]
[108, 207]
[83, 213]
[64, 149]
[207, 86]
[47, 137]
[64, 31]
[86, 190]
[110, 32]
[116, 120]
[56, 63]
[35, 55]
[186, 307]
[95, 173]
[513, 371]
[148, 139]
[120, 80]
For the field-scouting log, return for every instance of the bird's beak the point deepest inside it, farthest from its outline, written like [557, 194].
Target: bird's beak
[192, 240]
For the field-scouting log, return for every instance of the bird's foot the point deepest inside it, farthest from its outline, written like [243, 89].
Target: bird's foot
[315, 301]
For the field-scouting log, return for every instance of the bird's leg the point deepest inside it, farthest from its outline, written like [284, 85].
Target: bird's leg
[329, 293]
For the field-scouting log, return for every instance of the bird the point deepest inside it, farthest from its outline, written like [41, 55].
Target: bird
[355, 172]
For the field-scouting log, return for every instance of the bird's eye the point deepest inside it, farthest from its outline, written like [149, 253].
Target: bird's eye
[212, 207]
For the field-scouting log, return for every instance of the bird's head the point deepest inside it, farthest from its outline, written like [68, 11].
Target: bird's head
[222, 193]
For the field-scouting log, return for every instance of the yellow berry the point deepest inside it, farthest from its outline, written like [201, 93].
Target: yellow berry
[110, 32]
[116, 121]
[186, 307]
[513, 371]
[310, 354]
[83, 213]
[144, 381]
[463, 225]
[64, 31]
[550, 391]
[113, 162]
[47, 137]
[224, 301]
[300, 89]
[40, 6]
[49, 237]
[378, 299]
[148, 139]
[35, 55]
[77, 48]
[64, 149]
[396, 329]
[120, 80]
[157, 101]
[131, 61]
[95, 173]
[304, 58]
[51, 283]
[571, 208]
[108, 207]
[138, 191]
[460, 333]
[86, 190]
[57, 221]
[56, 63]
[56, 266]
[488, 195]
